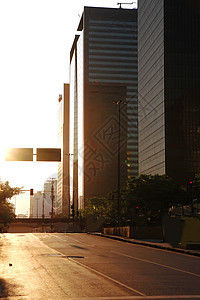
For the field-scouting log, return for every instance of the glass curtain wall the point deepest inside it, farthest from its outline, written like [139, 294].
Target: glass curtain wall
[113, 59]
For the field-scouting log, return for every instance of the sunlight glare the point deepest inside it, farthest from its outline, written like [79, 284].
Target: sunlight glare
[2, 153]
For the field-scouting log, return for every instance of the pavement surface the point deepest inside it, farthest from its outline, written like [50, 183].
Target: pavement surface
[87, 267]
[30, 268]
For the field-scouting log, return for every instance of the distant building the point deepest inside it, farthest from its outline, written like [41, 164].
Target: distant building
[22, 216]
[41, 201]
[36, 207]
[31, 207]
[168, 88]
[52, 183]
[63, 194]
[103, 70]
[38, 201]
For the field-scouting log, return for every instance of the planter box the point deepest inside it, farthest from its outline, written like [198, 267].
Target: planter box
[136, 232]
[154, 232]
[120, 231]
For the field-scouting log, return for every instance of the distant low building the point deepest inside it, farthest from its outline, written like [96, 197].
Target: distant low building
[41, 201]
[48, 197]
[22, 216]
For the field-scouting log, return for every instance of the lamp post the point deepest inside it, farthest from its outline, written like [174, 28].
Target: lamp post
[43, 197]
[43, 205]
[52, 180]
[69, 183]
[119, 102]
[52, 197]
[37, 199]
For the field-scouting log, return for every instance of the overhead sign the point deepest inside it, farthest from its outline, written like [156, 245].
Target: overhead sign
[48, 154]
[19, 154]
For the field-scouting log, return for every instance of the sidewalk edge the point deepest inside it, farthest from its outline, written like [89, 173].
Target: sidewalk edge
[143, 243]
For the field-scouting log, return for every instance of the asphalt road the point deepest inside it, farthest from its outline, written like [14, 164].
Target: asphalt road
[83, 266]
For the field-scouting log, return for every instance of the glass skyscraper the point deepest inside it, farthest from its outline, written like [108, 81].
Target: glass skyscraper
[103, 71]
[169, 89]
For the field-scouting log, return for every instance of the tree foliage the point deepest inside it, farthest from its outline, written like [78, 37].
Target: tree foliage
[97, 207]
[6, 208]
[145, 199]
[151, 196]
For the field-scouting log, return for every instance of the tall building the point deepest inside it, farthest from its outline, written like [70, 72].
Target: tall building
[168, 88]
[52, 183]
[40, 204]
[103, 72]
[63, 189]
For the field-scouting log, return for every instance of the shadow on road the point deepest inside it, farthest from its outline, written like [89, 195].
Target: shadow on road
[3, 288]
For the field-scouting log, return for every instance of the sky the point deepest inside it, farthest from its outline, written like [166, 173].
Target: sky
[35, 41]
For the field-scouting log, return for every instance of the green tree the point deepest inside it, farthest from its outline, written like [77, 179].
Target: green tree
[145, 198]
[102, 208]
[6, 208]
[96, 207]
[151, 196]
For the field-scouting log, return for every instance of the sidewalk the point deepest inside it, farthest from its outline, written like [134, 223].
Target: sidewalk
[149, 243]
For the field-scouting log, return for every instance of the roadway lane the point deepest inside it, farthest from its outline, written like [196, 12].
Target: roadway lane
[31, 270]
[148, 271]
[64, 266]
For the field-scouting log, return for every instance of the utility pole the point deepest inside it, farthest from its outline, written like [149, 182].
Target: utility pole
[43, 205]
[43, 197]
[37, 206]
[119, 175]
[119, 102]
[52, 197]
[52, 180]
[67, 200]
[52, 200]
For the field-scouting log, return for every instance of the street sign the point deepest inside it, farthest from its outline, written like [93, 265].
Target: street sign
[48, 154]
[19, 154]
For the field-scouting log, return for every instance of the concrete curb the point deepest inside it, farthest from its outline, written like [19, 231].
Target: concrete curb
[148, 244]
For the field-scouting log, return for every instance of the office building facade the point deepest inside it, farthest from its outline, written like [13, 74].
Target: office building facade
[63, 188]
[168, 88]
[103, 71]
[41, 203]
[50, 189]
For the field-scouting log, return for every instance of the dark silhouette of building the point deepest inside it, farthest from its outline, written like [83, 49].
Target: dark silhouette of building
[103, 70]
[168, 88]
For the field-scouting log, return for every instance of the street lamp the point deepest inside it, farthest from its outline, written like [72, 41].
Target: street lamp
[119, 102]
[69, 184]
[52, 197]
[37, 199]
[52, 181]
[44, 196]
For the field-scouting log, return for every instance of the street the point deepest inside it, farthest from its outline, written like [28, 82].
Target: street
[84, 266]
